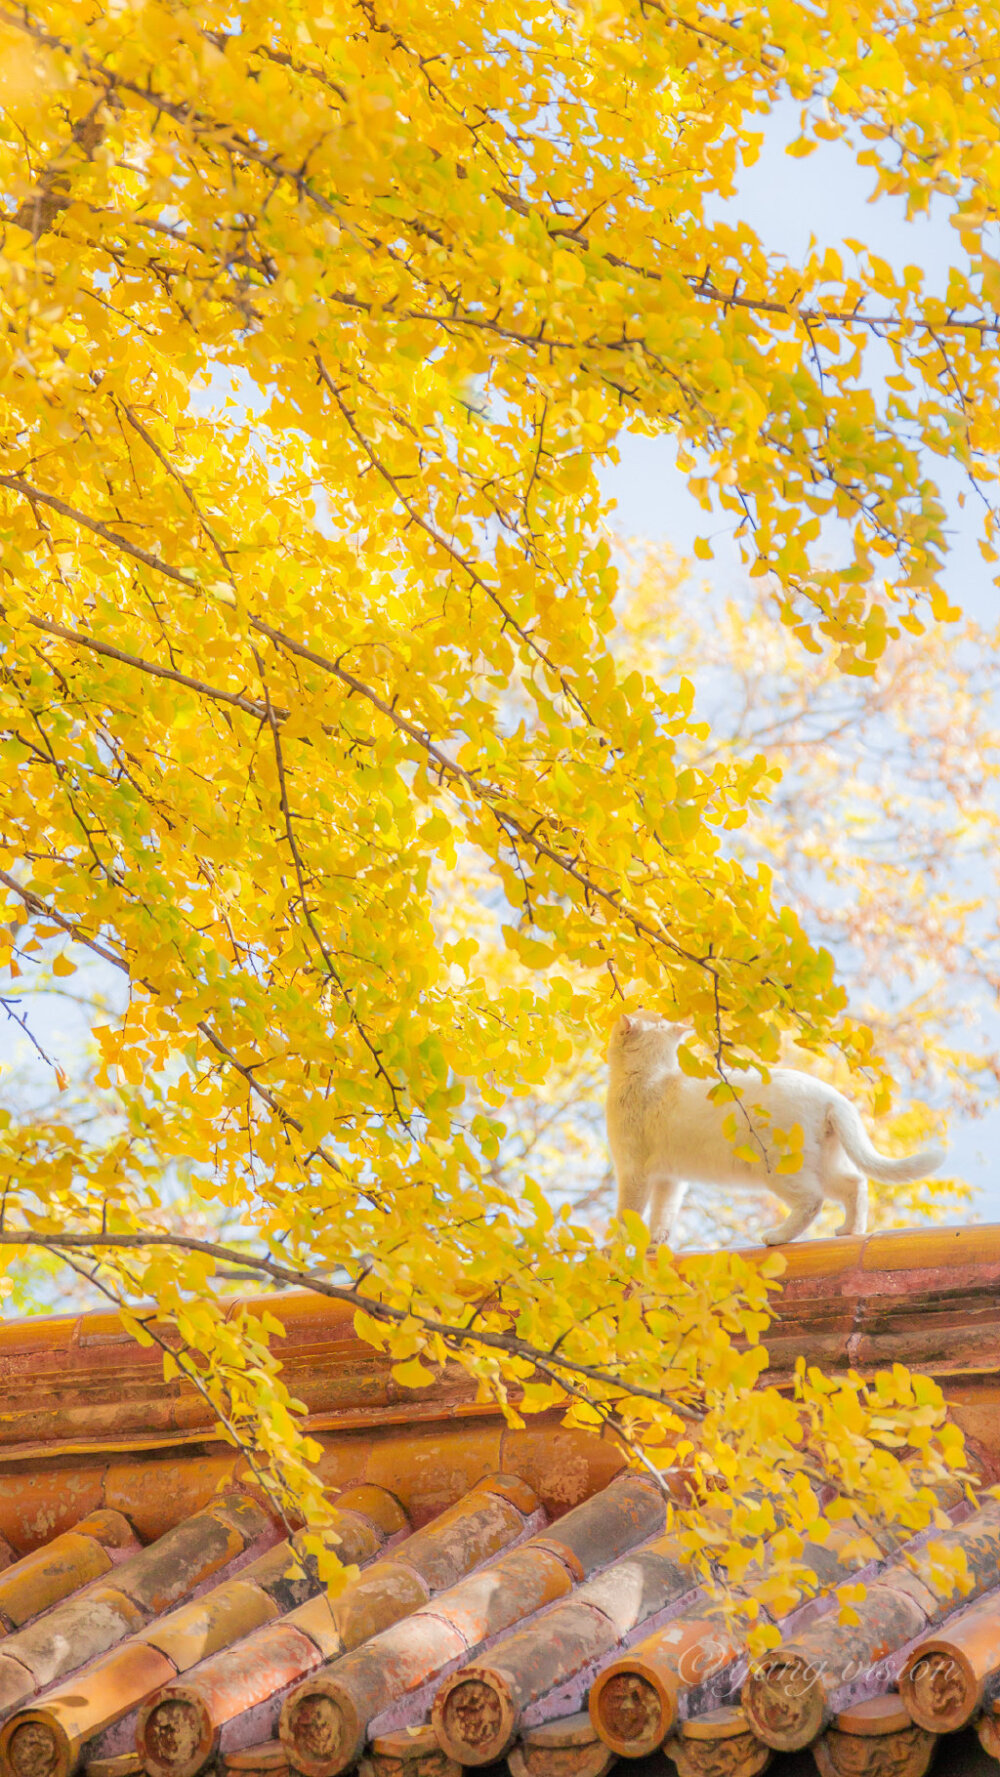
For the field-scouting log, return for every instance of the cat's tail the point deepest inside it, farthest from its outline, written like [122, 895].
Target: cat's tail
[844, 1121]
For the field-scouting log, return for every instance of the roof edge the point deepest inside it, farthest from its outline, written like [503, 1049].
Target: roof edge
[80, 1385]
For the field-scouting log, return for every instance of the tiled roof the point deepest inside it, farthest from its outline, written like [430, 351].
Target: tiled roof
[518, 1596]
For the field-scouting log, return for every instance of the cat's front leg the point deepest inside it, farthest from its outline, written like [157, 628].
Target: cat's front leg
[633, 1192]
[665, 1198]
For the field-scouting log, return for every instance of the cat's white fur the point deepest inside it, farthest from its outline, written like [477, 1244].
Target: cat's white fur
[665, 1132]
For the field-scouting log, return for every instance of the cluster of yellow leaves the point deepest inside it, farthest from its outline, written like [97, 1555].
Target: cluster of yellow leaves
[756, 1139]
[315, 327]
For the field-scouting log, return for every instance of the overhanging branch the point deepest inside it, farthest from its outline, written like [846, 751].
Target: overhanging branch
[455, 1337]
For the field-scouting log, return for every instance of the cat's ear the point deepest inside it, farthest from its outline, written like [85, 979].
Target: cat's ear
[627, 1024]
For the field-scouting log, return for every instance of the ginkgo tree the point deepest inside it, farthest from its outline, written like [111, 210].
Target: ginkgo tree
[317, 326]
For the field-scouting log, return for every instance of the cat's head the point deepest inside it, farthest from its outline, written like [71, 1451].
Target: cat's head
[636, 1033]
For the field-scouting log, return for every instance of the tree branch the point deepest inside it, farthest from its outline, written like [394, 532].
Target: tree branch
[234, 699]
[456, 1337]
[447, 766]
[42, 910]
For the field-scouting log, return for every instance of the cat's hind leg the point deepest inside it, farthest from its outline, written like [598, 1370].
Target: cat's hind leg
[804, 1207]
[851, 1189]
[665, 1198]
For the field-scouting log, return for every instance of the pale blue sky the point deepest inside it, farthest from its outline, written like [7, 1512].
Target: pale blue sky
[789, 200]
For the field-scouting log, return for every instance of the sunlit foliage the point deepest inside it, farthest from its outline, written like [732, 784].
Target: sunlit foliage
[316, 326]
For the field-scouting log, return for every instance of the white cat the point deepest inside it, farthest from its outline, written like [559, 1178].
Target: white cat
[664, 1132]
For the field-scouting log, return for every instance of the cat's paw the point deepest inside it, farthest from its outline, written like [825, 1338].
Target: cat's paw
[773, 1237]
